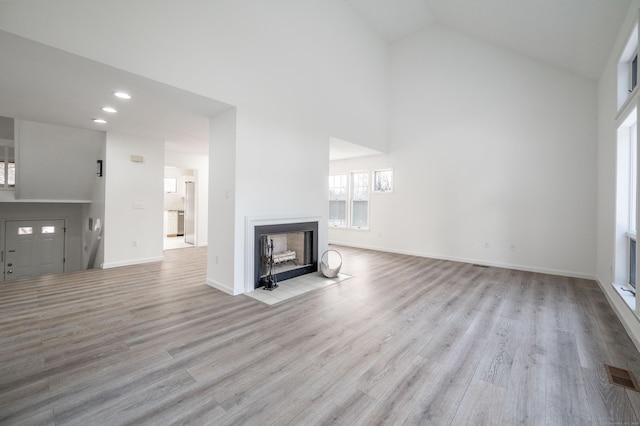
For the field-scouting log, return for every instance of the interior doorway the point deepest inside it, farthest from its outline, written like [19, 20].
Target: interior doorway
[179, 208]
[32, 248]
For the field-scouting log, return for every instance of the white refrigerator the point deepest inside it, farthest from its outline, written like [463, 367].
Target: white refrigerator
[189, 213]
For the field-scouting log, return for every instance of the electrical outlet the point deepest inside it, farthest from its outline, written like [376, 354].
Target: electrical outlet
[486, 245]
[134, 243]
[512, 247]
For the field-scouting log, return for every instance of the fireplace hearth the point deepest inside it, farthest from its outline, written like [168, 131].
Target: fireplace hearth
[293, 246]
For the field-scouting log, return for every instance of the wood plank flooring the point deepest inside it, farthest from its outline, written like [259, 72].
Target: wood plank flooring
[407, 340]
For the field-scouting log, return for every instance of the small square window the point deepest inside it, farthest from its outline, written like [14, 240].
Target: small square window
[383, 181]
[25, 230]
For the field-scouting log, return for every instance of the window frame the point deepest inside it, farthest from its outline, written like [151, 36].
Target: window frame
[350, 198]
[173, 182]
[629, 53]
[633, 71]
[345, 219]
[362, 187]
[374, 177]
[7, 161]
[626, 206]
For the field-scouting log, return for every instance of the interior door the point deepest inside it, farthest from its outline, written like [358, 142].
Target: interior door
[33, 247]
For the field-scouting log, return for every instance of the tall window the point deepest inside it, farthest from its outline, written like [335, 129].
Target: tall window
[349, 198]
[359, 200]
[626, 201]
[7, 165]
[633, 173]
[338, 200]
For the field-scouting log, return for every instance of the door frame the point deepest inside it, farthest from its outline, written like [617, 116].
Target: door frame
[3, 239]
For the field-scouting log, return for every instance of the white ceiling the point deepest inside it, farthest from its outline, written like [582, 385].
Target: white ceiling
[44, 84]
[341, 150]
[575, 35]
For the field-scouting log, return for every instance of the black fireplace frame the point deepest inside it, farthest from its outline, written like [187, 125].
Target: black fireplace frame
[285, 228]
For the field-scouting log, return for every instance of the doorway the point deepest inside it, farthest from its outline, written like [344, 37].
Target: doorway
[33, 248]
[179, 207]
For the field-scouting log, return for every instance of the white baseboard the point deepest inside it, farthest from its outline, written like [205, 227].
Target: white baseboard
[623, 312]
[220, 286]
[132, 262]
[516, 267]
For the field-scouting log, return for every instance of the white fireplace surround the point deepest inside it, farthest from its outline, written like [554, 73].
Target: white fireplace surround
[250, 228]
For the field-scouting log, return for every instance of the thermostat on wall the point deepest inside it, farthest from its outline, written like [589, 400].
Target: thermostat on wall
[137, 159]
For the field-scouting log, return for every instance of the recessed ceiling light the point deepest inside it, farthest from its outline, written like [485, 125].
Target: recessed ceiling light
[99, 121]
[122, 95]
[109, 109]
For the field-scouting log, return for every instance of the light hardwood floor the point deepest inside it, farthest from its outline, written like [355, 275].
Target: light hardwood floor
[407, 340]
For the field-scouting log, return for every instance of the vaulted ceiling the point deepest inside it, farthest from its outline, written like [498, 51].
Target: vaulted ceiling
[575, 35]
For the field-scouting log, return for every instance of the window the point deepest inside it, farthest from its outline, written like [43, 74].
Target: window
[7, 164]
[628, 69]
[170, 184]
[25, 230]
[633, 172]
[349, 199]
[48, 229]
[338, 200]
[626, 202]
[383, 181]
[632, 262]
[359, 200]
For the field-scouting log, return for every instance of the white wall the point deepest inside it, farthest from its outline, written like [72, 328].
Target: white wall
[200, 164]
[129, 185]
[7, 128]
[94, 215]
[315, 58]
[281, 171]
[261, 166]
[608, 122]
[488, 146]
[223, 265]
[56, 162]
[298, 72]
[72, 213]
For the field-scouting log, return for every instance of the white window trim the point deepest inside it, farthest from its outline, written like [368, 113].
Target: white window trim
[348, 222]
[346, 219]
[368, 186]
[625, 94]
[373, 182]
[4, 143]
[627, 131]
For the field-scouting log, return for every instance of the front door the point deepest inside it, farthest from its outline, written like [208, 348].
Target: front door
[33, 247]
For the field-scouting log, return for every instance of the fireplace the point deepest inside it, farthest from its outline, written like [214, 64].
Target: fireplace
[294, 247]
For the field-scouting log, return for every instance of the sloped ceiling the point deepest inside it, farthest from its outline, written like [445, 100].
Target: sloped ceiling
[43, 84]
[47, 85]
[575, 35]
